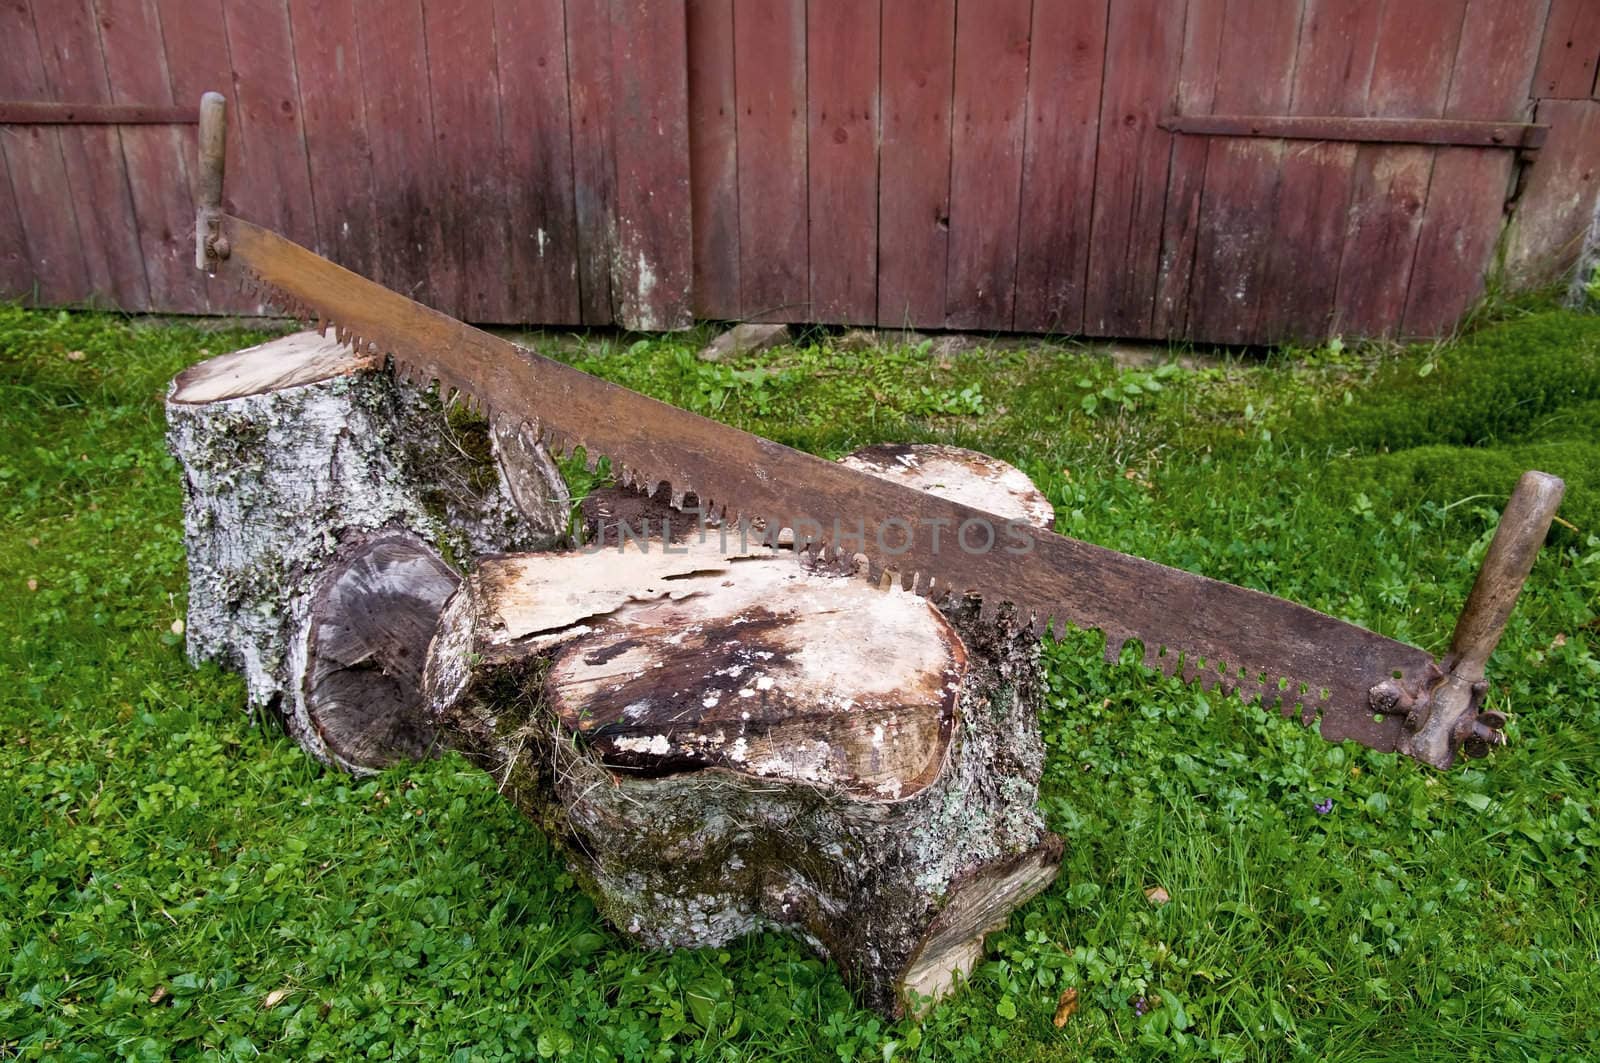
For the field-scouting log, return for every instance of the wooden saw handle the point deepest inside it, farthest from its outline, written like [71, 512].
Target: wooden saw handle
[208, 190]
[1516, 543]
[1453, 714]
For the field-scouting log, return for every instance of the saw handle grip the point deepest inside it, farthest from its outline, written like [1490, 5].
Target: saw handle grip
[1523, 526]
[1453, 718]
[208, 190]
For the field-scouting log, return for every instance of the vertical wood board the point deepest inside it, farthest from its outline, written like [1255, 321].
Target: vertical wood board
[97, 173]
[16, 262]
[536, 138]
[652, 251]
[1066, 60]
[986, 147]
[413, 254]
[918, 74]
[159, 158]
[464, 96]
[271, 178]
[1182, 216]
[593, 164]
[1333, 70]
[1255, 75]
[1410, 78]
[713, 159]
[842, 158]
[770, 86]
[1570, 52]
[1557, 207]
[333, 88]
[47, 216]
[1462, 221]
[197, 62]
[1143, 47]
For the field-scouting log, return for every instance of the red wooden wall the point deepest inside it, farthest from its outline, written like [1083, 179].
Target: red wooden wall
[502, 161]
[1021, 177]
[979, 164]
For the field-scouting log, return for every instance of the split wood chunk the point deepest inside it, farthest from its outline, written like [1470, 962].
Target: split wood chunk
[726, 740]
[300, 455]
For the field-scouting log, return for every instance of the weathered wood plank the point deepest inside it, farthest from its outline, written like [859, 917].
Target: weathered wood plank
[97, 175]
[1410, 78]
[1063, 120]
[1180, 232]
[842, 155]
[714, 159]
[593, 165]
[271, 181]
[991, 102]
[197, 62]
[464, 93]
[1144, 44]
[1333, 70]
[1570, 52]
[1466, 198]
[536, 124]
[47, 216]
[327, 49]
[412, 249]
[918, 72]
[16, 266]
[652, 263]
[1442, 132]
[158, 157]
[70, 113]
[1557, 205]
[770, 82]
[1255, 74]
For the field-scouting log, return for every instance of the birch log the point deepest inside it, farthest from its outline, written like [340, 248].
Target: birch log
[724, 740]
[315, 483]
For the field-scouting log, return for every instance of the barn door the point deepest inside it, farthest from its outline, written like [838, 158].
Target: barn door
[1353, 163]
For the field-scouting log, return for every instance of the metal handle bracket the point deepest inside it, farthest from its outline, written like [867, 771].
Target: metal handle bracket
[1444, 713]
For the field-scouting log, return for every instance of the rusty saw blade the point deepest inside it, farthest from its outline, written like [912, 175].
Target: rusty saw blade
[1284, 655]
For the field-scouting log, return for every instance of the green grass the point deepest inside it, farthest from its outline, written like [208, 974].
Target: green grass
[168, 869]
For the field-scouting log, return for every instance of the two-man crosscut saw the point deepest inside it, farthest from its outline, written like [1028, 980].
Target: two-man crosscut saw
[1361, 685]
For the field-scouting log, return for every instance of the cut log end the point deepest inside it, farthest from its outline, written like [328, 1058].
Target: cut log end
[298, 452]
[366, 644]
[773, 672]
[277, 365]
[726, 739]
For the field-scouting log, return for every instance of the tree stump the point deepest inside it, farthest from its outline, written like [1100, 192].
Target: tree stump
[725, 740]
[325, 503]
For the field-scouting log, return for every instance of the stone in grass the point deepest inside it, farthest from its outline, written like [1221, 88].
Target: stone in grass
[748, 338]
